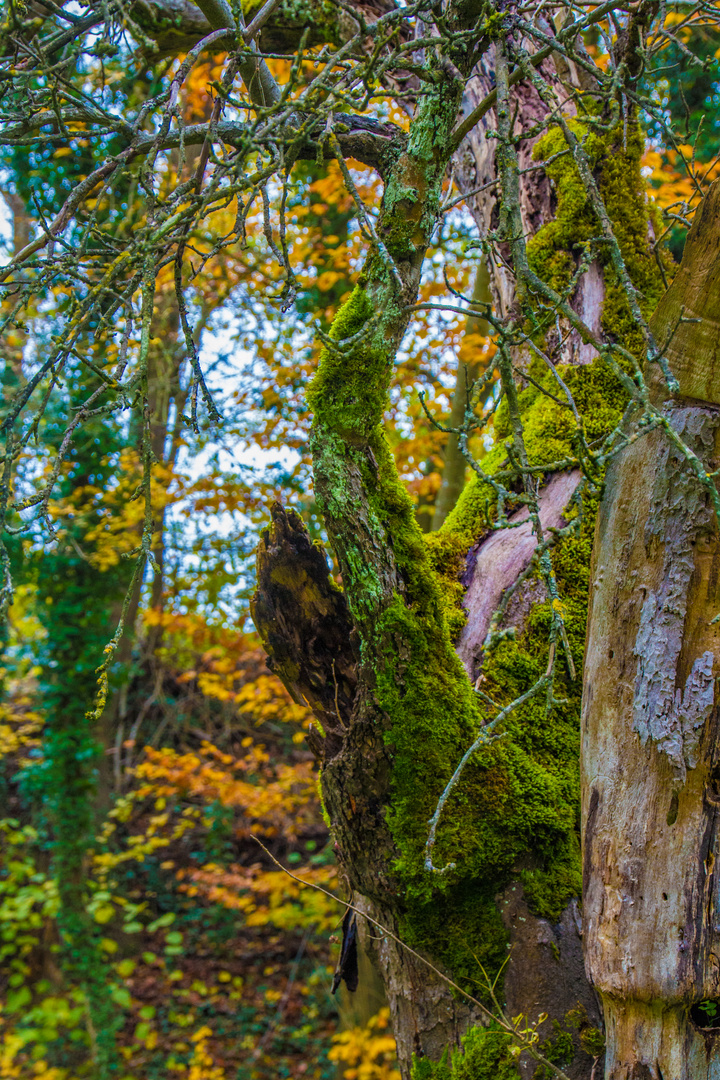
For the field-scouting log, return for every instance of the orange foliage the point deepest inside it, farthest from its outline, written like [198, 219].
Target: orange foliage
[268, 897]
[283, 803]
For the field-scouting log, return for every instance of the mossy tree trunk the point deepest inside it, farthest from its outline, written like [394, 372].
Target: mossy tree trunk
[406, 657]
[395, 703]
[651, 768]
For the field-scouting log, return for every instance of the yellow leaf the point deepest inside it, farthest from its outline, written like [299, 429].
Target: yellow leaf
[104, 913]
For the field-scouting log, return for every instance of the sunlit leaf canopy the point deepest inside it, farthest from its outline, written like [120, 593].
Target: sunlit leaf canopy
[203, 186]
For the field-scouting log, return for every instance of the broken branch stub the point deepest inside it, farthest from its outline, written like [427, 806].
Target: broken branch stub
[302, 618]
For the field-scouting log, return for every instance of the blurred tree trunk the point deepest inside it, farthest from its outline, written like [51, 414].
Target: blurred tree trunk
[454, 465]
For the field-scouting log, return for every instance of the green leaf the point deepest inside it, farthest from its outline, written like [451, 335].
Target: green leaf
[18, 999]
[121, 997]
[165, 920]
[104, 913]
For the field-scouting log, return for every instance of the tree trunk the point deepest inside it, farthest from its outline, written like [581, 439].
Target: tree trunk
[650, 758]
[396, 709]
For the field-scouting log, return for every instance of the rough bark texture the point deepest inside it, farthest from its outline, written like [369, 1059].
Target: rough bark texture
[650, 754]
[427, 1017]
[546, 974]
[454, 463]
[393, 605]
[476, 172]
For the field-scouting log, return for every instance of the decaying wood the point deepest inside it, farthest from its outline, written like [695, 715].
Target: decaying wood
[302, 618]
[650, 751]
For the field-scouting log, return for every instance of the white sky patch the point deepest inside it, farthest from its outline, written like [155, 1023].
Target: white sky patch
[6, 230]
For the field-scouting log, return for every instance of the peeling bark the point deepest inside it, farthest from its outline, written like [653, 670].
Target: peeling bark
[303, 621]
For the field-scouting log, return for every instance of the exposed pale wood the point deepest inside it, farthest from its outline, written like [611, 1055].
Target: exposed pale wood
[499, 559]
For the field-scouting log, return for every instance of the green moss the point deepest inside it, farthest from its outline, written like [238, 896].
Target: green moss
[351, 397]
[559, 1049]
[519, 798]
[550, 436]
[420, 683]
[283, 30]
[516, 809]
[554, 251]
[485, 1055]
[547, 891]
[592, 1040]
[447, 553]
[323, 808]
[464, 928]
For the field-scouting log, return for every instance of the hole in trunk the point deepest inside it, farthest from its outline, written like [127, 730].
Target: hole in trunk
[712, 788]
[673, 811]
[706, 1013]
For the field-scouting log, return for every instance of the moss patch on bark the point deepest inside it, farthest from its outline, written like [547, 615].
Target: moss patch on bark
[553, 253]
[515, 811]
[518, 800]
[485, 1055]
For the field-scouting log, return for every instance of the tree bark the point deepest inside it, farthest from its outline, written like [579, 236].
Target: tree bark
[650, 759]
